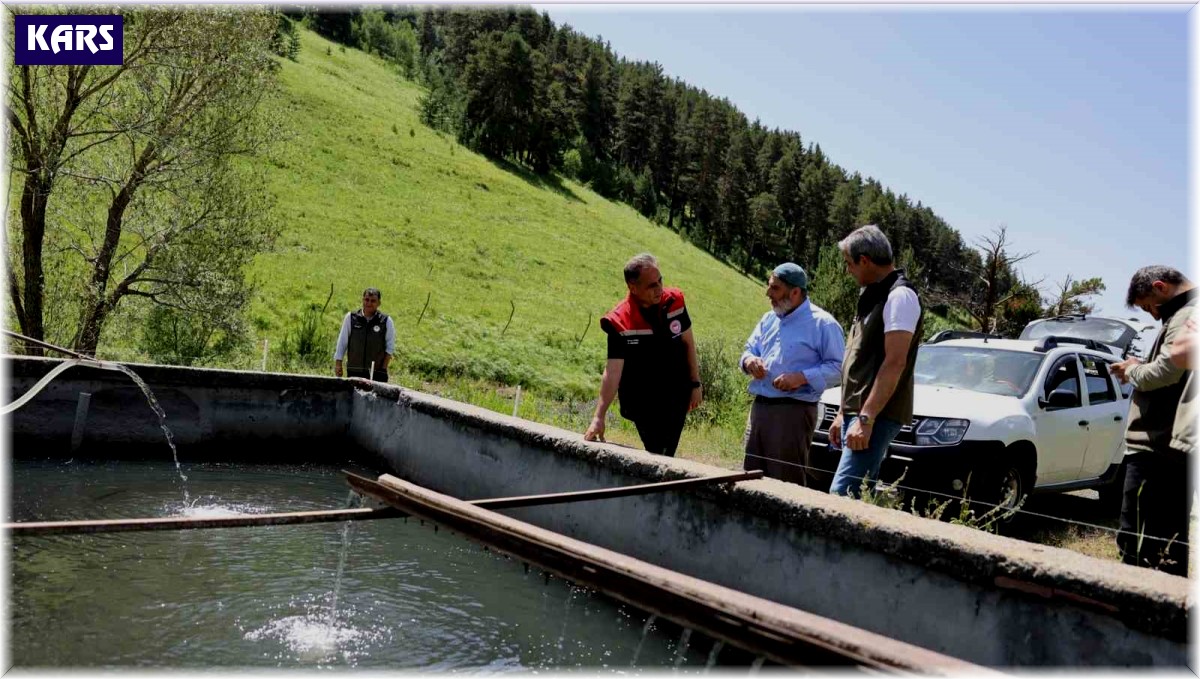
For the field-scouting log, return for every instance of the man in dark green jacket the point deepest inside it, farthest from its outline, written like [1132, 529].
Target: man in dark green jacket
[1157, 496]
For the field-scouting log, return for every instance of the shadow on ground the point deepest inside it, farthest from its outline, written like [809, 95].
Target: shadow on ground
[551, 182]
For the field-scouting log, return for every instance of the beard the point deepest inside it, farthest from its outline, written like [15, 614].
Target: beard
[782, 309]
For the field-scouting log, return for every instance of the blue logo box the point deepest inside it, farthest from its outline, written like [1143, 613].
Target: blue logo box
[69, 40]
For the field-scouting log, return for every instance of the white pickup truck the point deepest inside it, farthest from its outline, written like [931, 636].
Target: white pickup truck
[1001, 418]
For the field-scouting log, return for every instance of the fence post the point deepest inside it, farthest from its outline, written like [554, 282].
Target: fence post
[266, 347]
[81, 413]
[517, 401]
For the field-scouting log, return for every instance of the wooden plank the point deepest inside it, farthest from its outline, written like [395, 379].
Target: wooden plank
[781, 633]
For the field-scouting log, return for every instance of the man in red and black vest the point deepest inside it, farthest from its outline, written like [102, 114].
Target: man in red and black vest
[652, 364]
[367, 341]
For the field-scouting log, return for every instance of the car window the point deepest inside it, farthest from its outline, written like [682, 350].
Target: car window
[991, 371]
[1064, 375]
[1099, 382]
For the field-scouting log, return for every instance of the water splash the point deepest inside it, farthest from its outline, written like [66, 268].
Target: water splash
[645, 631]
[562, 633]
[215, 509]
[162, 422]
[337, 582]
[312, 639]
[712, 655]
[681, 649]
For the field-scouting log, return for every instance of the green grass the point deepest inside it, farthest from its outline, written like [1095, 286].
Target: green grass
[371, 197]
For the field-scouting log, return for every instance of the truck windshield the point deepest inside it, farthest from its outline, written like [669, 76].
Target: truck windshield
[991, 371]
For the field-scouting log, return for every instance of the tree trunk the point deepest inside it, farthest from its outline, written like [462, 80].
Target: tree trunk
[88, 336]
[34, 197]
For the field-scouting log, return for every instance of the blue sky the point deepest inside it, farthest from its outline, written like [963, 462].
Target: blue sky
[1069, 126]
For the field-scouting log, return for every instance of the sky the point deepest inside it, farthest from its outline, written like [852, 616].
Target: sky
[1067, 125]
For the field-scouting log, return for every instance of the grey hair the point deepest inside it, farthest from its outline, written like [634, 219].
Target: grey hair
[373, 292]
[867, 241]
[633, 268]
[1142, 283]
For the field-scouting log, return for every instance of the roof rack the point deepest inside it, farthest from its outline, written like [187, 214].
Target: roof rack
[1061, 317]
[946, 335]
[1047, 343]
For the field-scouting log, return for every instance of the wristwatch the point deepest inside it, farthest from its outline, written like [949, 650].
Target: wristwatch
[695, 384]
[865, 420]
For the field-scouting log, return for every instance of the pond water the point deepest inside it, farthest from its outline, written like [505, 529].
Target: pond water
[408, 597]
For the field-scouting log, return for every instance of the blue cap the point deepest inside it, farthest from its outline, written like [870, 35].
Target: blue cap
[791, 274]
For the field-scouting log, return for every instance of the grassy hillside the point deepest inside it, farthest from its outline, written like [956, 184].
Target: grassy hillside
[371, 197]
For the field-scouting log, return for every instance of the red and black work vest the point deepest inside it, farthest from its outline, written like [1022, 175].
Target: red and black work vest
[655, 374]
[368, 341]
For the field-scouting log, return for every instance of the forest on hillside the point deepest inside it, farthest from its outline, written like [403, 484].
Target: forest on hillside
[514, 86]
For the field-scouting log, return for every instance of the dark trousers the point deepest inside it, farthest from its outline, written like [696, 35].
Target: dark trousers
[1155, 511]
[380, 375]
[660, 432]
[781, 430]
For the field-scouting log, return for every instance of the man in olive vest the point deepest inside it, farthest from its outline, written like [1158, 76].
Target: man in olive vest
[1157, 496]
[877, 371]
[367, 340]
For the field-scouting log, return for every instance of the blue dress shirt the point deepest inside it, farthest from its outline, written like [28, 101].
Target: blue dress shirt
[808, 340]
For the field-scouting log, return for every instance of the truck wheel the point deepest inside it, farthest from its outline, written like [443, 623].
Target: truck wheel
[1003, 484]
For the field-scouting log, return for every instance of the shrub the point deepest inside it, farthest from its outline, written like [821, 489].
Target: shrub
[724, 387]
[309, 340]
[177, 337]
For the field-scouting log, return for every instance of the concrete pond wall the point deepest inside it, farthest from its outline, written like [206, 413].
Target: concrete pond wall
[983, 598]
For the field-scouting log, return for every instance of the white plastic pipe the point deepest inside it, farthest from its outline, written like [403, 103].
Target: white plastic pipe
[49, 377]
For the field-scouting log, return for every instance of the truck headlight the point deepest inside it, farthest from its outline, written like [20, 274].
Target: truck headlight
[939, 431]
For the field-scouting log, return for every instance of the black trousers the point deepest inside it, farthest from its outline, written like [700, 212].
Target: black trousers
[1155, 511]
[660, 432]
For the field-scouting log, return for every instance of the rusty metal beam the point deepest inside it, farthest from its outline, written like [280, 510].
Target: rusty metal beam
[780, 633]
[187, 523]
[606, 493]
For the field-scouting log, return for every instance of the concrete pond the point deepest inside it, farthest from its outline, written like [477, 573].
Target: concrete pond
[983, 598]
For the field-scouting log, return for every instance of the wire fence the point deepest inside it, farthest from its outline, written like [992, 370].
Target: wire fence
[989, 505]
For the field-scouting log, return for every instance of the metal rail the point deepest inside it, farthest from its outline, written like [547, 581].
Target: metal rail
[46, 345]
[187, 523]
[780, 633]
[360, 514]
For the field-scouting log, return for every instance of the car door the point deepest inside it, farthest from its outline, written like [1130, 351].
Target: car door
[1062, 432]
[1106, 408]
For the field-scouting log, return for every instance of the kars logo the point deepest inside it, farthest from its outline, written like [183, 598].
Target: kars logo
[676, 326]
[69, 40]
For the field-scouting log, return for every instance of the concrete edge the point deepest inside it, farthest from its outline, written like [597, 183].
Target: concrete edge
[35, 367]
[1146, 600]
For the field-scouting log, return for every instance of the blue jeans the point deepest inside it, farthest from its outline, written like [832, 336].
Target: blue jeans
[857, 465]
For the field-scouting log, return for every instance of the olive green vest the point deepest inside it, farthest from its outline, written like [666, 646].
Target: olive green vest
[368, 341]
[864, 353]
[1152, 414]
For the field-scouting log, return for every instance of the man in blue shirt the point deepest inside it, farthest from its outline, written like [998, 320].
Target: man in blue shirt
[794, 353]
